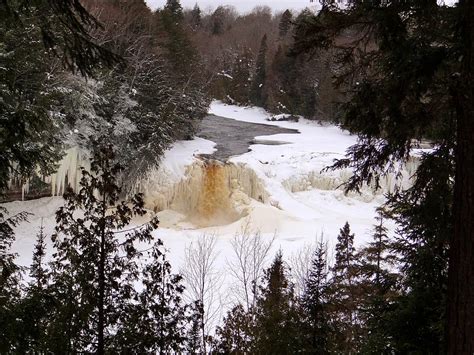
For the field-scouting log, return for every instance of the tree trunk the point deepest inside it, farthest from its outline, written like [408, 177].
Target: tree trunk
[461, 263]
[203, 332]
[101, 325]
[100, 346]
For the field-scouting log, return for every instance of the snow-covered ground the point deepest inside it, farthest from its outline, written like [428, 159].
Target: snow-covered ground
[292, 198]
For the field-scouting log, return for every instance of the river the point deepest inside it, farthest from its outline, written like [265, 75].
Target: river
[234, 137]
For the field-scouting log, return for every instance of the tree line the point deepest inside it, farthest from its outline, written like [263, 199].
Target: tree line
[249, 61]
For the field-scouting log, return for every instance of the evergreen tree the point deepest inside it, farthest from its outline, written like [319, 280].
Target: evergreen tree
[417, 322]
[257, 90]
[241, 76]
[36, 304]
[373, 259]
[315, 321]
[95, 264]
[379, 286]
[64, 29]
[292, 85]
[31, 34]
[283, 67]
[28, 134]
[236, 335]
[174, 9]
[276, 330]
[196, 19]
[194, 340]
[37, 271]
[344, 294]
[180, 52]
[159, 321]
[285, 23]
[217, 21]
[344, 263]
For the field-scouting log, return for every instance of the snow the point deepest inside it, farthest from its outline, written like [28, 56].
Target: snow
[277, 189]
[226, 75]
[183, 154]
[42, 211]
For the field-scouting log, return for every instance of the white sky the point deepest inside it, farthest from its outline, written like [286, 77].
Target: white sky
[240, 5]
[247, 5]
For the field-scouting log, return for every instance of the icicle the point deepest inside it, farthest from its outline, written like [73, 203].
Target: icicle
[25, 189]
[69, 171]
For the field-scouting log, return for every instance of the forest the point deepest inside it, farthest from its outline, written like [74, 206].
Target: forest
[122, 83]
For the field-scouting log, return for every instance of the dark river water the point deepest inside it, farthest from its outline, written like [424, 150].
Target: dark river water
[235, 137]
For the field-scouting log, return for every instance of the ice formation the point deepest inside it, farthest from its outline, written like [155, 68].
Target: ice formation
[69, 171]
[401, 178]
[68, 174]
[214, 193]
[211, 193]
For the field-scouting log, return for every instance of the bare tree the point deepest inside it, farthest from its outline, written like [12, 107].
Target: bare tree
[203, 280]
[250, 251]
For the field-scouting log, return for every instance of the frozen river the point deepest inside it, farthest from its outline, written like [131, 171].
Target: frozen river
[233, 137]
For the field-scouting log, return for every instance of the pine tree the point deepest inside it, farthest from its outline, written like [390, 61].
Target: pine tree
[196, 20]
[95, 264]
[315, 322]
[236, 335]
[241, 73]
[217, 21]
[292, 85]
[26, 97]
[194, 343]
[37, 271]
[285, 23]
[257, 90]
[32, 34]
[283, 67]
[174, 9]
[37, 303]
[64, 28]
[344, 293]
[379, 283]
[275, 329]
[417, 322]
[344, 253]
[159, 321]
[180, 51]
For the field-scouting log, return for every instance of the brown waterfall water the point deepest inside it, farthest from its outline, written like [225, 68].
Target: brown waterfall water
[214, 203]
[212, 193]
